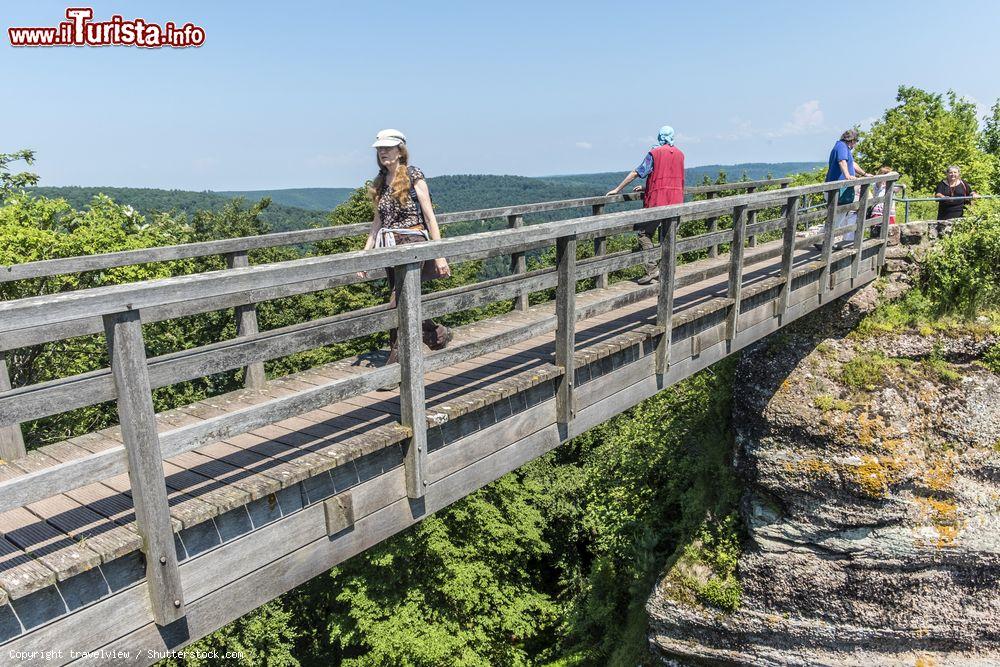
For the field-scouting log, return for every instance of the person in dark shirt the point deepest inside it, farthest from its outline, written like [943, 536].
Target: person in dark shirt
[953, 186]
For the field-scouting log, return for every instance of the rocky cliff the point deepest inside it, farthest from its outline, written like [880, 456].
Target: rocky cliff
[872, 508]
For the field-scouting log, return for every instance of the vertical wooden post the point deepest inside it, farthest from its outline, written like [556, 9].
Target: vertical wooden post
[665, 302]
[713, 226]
[752, 218]
[736, 270]
[600, 248]
[787, 254]
[137, 417]
[886, 212]
[859, 230]
[565, 327]
[827, 252]
[518, 263]
[11, 439]
[246, 324]
[412, 406]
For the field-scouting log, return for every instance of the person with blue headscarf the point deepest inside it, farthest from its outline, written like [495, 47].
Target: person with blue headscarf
[663, 169]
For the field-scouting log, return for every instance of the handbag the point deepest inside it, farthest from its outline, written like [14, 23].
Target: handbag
[846, 196]
[429, 270]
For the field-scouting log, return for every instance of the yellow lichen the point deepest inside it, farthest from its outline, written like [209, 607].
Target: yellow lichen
[871, 429]
[810, 467]
[943, 516]
[940, 472]
[876, 474]
[923, 661]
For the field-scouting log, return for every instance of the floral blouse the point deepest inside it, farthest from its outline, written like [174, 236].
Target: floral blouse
[392, 213]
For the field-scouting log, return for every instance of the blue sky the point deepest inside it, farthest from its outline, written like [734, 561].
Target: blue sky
[291, 94]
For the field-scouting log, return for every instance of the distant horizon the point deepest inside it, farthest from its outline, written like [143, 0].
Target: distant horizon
[43, 184]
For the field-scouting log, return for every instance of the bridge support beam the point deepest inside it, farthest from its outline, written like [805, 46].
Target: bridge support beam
[884, 231]
[859, 230]
[713, 226]
[600, 249]
[787, 255]
[565, 327]
[518, 263]
[412, 405]
[145, 464]
[736, 270]
[246, 325]
[11, 440]
[751, 218]
[827, 252]
[665, 302]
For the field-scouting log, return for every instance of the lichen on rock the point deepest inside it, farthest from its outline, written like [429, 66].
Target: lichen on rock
[872, 472]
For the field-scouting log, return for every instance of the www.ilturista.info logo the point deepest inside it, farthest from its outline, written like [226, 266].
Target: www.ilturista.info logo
[80, 30]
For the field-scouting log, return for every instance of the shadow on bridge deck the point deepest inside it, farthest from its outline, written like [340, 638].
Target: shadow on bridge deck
[256, 514]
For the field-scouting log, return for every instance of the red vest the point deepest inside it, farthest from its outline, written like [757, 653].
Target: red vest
[666, 184]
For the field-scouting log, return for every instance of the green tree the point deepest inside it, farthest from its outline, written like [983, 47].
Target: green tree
[11, 183]
[922, 135]
[990, 142]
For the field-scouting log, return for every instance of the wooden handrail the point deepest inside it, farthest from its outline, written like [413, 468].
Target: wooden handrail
[59, 308]
[64, 265]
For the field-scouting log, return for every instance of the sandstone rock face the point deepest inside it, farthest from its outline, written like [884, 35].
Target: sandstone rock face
[872, 469]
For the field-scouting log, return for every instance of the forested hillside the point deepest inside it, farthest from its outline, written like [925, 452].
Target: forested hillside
[301, 208]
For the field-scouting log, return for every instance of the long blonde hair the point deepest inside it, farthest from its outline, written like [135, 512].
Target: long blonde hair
[400, 182]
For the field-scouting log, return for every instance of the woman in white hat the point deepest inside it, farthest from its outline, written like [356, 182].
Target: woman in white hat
[403, 214]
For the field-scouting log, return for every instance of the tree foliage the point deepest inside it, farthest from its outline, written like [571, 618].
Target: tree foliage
[11, 183]
[923, 134]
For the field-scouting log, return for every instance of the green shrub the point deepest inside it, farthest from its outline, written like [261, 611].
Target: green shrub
[962, 272]
[992, 359]
[865, 371]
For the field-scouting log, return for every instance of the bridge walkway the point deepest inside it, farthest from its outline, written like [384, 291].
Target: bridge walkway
[255, 513]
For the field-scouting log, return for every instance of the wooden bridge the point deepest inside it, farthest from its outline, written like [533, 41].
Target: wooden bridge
[156, 532]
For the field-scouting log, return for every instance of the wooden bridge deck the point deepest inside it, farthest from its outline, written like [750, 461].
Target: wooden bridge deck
[257, 513]
[229, 488]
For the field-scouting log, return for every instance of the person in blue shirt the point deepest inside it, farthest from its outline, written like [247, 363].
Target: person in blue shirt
[841, 166]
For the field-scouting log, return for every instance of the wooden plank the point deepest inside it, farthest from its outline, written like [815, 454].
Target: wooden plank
[20, 574]
[788, 253]
[246, 324]
[886, 211]
[411, 386]
[11, 439]
[81, 523]
[79, 264]
[94, 387]
[665, 301]
[142, 447]
[518, 262]
[736, 269]
[370, 532]
[713, 227]
[600, 249]
[859, 230]
[828, 229]
[169, 311]
[51, 309]
[751, 221]
[565, 326]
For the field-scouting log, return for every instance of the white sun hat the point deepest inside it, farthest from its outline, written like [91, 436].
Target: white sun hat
[389, 138]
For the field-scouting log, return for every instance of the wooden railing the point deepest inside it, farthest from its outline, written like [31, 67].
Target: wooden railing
[235, 251]
[119, 310]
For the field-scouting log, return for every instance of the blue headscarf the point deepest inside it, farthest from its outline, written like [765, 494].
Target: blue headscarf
[666, 135]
